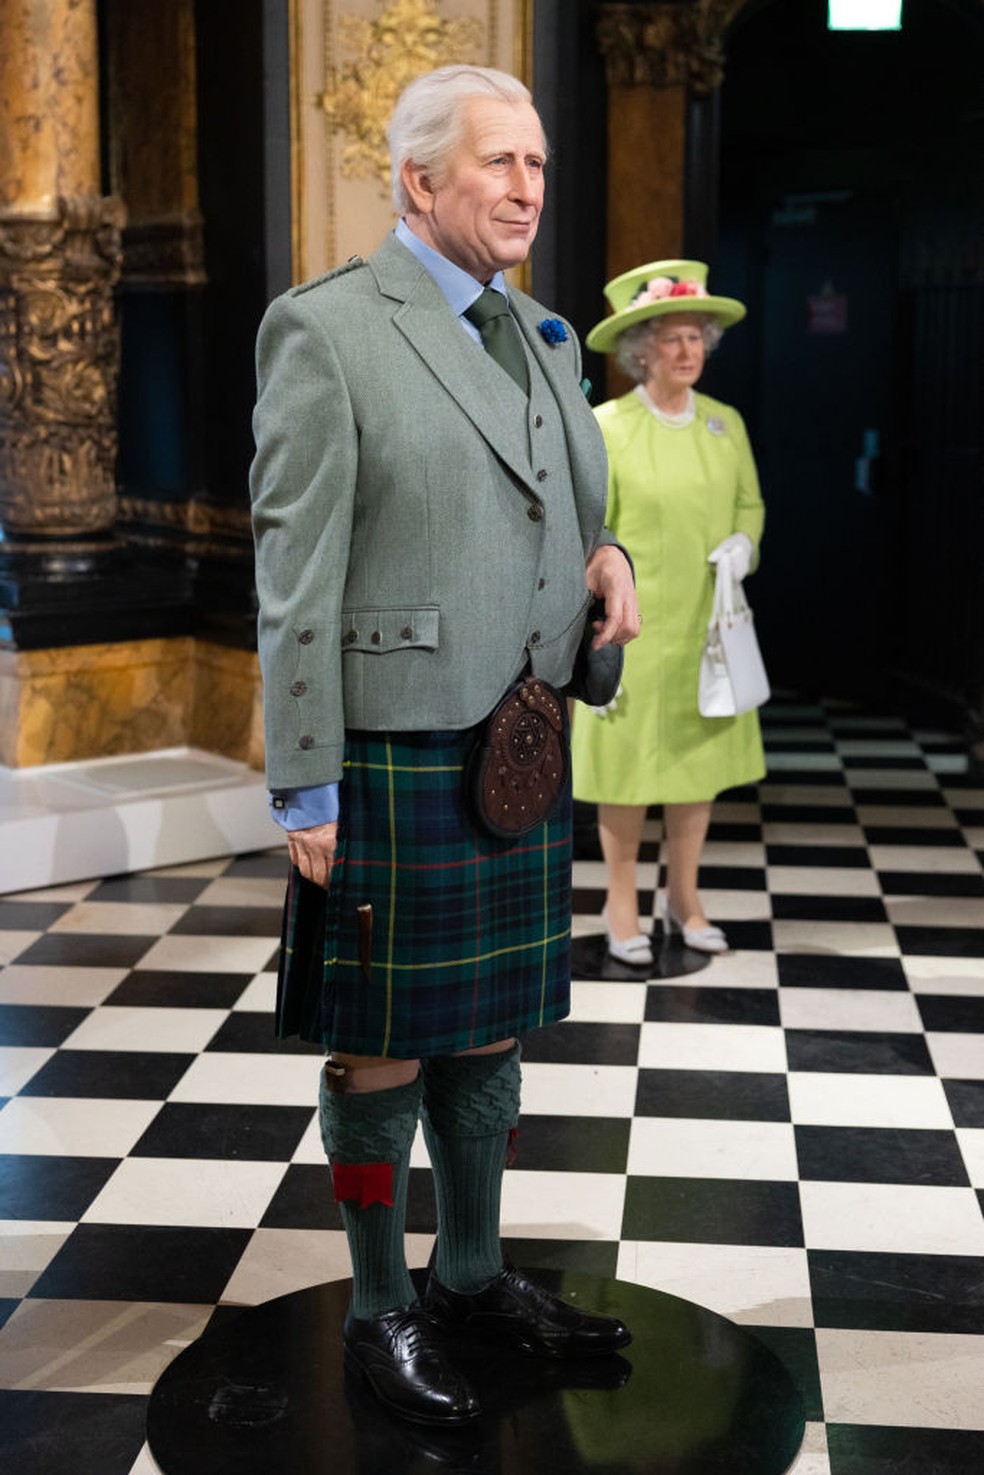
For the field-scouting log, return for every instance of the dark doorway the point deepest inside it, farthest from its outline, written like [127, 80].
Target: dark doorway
[852, 224]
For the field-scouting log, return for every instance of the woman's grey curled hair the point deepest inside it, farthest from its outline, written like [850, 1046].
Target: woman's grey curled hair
[632, 340]
[426, 122]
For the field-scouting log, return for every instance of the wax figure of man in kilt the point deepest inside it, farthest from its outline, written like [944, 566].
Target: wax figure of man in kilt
[428, 530]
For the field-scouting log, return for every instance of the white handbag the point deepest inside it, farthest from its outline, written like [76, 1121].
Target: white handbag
[732, 674]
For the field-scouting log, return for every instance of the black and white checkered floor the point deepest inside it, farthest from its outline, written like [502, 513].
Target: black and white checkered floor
[793, 1137]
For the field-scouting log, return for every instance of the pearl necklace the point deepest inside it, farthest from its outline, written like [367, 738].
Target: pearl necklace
[678, 421]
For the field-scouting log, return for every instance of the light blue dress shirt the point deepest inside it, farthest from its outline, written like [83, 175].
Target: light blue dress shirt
[302, 809]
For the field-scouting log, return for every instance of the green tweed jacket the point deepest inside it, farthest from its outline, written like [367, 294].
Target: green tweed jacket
[421, 531]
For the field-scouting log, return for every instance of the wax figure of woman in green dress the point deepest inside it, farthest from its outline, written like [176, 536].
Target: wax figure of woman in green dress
[682, 492]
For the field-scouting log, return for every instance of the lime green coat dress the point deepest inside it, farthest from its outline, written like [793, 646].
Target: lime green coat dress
[673, 494]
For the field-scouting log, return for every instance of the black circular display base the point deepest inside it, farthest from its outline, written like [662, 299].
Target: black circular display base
[590, 959]
[266, 1394]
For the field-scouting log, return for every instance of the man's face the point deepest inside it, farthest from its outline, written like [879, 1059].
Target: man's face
[483, 212]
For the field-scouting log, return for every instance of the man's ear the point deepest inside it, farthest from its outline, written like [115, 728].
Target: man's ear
[417, 183]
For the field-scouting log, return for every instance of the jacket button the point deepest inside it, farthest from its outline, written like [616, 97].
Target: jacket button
[298, 688]
[537, 421]
[542, 475]
[534, 512]
[406, 633]
[535, 638]
[541, 583]
[306, 636]
[350, 637]
[376, 637]
[305, 741]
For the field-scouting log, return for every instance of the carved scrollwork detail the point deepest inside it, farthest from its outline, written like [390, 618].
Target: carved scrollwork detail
[59, 362]
[407, 38]
[671, 43]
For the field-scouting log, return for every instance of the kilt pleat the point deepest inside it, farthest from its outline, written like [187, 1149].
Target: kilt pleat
[433, 936]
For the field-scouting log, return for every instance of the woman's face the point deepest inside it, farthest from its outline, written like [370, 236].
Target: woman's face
[674, 355]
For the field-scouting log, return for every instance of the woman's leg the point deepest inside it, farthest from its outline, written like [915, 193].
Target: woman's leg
[686, 830]
[620, 833]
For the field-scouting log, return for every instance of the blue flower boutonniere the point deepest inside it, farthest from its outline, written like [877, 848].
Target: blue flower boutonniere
[553, 330]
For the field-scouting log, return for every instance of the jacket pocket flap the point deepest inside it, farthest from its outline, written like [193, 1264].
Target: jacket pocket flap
[381, 630]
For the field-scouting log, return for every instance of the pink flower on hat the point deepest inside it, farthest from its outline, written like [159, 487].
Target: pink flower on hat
[687, 289]
[654, 291]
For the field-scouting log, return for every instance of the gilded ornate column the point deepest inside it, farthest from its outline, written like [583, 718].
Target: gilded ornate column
[60, 259]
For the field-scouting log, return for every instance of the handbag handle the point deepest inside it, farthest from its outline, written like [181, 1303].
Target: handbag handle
[729, 596]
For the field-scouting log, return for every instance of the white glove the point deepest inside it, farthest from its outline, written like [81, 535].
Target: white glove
[740, 549]
[609, 706]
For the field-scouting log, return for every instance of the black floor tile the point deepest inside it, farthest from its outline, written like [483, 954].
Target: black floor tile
[140, 1076]
[826, 970]
[679, 1004]
[852, 857]
[572, 1144]
[803, 907]
[941, 942]
[897, 1293]
[70, 1433]
[869, 1052]
[172, 890]
[252, 1030]
[797, 1348]
[732, 878]
[930, 883]
[953, 1014]
[148, 988]
[873, 1449]
[966, 1099]
[239, 1133]
[734, 832]
[775, 812]
[732, 1095]
[264, 864]
[38, 1024]
[860, 762]
[880, 1155]
[87, 950]
[915, 836]
[133, 1262]
[898, 798]
[746, 936]
[30, 916]
[7, 1309]
[228, 921]
[572, 1042]
[304, 1200]
[722, 1211]
[37, 1187]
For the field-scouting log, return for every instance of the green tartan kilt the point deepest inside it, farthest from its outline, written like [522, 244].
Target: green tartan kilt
[466, 939]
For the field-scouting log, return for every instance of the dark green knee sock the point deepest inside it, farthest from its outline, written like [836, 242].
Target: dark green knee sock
[373, 1130]
[471, 1103]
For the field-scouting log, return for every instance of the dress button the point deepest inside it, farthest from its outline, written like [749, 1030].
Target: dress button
[535, 638]
[406, 633]
[306, 636]
[534, 512]
[376, 637]
[542, 475]
[305, 741]
[298, 688]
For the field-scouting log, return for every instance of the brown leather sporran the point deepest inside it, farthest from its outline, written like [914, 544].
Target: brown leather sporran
[518, 768]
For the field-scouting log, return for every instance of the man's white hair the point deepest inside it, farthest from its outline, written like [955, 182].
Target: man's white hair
[426, 123]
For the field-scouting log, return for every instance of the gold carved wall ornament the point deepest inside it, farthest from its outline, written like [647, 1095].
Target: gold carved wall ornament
[407, 38]
[668, 44]
[59, 362]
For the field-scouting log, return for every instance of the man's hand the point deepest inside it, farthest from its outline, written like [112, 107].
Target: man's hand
[313, 852]
[609, 577]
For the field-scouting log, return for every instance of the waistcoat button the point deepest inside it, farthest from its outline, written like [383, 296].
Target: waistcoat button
[305, 741]
[534, 512]
[298, 688]
[306, 636]
[542, 475]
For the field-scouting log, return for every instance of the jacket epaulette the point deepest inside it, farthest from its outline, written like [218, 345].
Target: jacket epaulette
[353, 263]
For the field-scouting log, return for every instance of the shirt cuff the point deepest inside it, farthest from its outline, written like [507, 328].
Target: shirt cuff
[302, 809]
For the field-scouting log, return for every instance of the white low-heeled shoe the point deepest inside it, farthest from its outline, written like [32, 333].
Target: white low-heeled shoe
[636, 951]
[709, 939]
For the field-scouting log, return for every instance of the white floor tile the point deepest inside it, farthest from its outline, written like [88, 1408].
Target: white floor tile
[734, 853]
[956, 1056]
[113, 1027]
[81, 988]
[120, 918]
[913, 1379]
[18, 1063]
[145, 1464]
[211, 954]
[562, 1205]
[907, 816]
[70, 1127]
[310, 1149]
[756, 1285]
[244, 891]
[925, 859]
[877, 747]
[853, 939]
[779, 832]
[12, 944]
[874, 1010]
[751, 1047]
[95, 1346]
[812, 1459]
[736, 906]
[154, 1190]
[799, 762]
[27, 1247]
[579, 1090]
[675, 1147]
[809, 796]
[822, 881]
[601, 1002]
[844, 1099]
[935, 911]
[971, 1141]
[956, 976]
[909, 779]
[278, 1261]
[891, 1218]
[263, 1080]
[260, 996]
[742, 969]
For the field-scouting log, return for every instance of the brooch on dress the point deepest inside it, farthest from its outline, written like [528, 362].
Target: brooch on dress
[716, 425]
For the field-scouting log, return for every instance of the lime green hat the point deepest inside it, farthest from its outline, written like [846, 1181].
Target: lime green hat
[651, 291]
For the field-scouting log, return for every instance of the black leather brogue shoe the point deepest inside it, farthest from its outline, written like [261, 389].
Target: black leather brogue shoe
[514, 1312]
[402, 1355]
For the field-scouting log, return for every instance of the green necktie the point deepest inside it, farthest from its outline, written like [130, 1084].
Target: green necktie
[500, 336]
